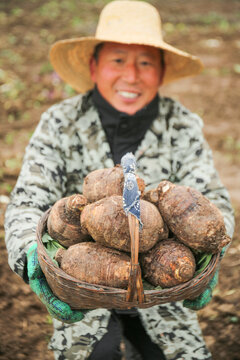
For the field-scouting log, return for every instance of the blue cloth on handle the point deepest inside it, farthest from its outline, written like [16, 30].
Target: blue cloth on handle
[131, 193]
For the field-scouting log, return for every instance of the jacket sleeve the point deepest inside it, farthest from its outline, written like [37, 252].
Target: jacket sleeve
[41, 182]
[193, 164]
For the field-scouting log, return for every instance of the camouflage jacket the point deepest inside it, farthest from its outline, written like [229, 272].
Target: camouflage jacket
[69, 142]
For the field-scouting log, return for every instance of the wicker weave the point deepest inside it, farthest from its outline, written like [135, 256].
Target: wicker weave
[82, 295]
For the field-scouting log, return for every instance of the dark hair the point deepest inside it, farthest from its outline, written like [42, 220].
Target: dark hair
[97, 50]
[162, 59]
[163, 65]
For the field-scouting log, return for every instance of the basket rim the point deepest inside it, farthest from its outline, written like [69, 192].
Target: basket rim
[96, 288]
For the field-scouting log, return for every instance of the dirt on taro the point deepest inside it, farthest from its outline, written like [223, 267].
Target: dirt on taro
[28, 86]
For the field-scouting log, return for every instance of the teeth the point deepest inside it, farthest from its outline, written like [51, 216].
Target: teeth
[128, 95]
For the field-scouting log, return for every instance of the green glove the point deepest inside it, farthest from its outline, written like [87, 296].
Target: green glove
[205, 297]
[38, 283]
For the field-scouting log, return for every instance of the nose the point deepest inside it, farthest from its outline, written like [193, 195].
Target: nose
[130, 73]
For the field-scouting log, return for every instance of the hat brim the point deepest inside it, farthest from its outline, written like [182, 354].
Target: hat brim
[71, 58]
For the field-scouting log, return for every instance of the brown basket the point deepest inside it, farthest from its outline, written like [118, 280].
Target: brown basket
[82, 295]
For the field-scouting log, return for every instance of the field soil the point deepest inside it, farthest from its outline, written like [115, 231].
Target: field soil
[28, 85]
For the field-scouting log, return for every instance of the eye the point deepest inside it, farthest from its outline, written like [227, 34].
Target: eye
[118, 60]
[145, 63]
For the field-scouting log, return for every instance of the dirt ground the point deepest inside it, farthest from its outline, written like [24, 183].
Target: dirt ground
[28, 85]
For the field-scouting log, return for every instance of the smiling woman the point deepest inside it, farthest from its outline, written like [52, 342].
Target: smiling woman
[122, 113]
[127, 76]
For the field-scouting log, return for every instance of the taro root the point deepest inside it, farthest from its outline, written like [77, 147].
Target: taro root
[106, 222]
[192, 217]
[168, 263]
[151, 196]
[64, 220]
[106, 182]
[95, 264]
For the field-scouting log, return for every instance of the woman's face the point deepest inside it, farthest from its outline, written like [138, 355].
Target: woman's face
[127, 76]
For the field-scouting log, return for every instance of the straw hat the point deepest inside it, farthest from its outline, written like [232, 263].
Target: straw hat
[121, 21]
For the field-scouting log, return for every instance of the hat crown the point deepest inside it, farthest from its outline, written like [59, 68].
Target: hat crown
[130, 22]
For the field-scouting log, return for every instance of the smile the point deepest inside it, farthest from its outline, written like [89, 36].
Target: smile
[128, 95]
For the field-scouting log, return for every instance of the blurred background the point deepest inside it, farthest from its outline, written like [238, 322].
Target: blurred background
[209, 29]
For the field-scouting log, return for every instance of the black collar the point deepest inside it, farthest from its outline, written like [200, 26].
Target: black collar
[124, 132]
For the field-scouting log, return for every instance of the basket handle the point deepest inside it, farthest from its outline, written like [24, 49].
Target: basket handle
[135, 287]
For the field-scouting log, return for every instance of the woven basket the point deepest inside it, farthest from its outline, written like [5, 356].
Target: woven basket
[82, 295]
